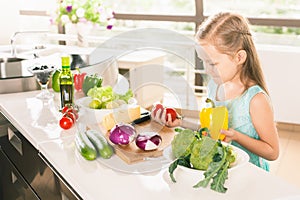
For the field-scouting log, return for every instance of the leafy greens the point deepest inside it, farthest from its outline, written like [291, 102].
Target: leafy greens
[193, 150]
[106, 95]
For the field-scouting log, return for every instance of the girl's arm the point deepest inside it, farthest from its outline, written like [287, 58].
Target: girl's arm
[263, 120]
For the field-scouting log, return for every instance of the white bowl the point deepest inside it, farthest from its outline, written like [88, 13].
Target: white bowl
[90, 114]
[241, 159]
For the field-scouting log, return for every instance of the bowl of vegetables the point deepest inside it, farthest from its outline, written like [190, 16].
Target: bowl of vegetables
[84, 105]
[200, 157]
[103, 100]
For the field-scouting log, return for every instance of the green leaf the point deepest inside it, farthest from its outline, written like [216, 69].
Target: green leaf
[179, 130]
[220, 178]
[211, 171]
[172, 168]
[183, 161]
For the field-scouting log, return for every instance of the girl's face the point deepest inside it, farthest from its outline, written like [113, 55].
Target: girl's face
[221, 67]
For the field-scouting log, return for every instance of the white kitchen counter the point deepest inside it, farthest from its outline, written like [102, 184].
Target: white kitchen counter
[94, 180]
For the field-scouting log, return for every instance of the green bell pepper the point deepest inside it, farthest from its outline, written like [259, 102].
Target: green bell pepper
[91, 81]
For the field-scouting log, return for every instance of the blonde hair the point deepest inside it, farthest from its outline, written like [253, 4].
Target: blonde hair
[229, 33]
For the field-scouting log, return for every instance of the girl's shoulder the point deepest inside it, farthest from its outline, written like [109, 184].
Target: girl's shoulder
[253, 90]
[258, 97]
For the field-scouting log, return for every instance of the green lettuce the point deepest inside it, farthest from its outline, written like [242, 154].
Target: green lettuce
[106, 94]
[195, 151]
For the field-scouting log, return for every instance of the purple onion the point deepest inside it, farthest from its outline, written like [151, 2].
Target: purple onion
[148, 141]
[122, 134]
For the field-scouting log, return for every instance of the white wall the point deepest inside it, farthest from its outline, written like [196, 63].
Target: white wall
[282, 72]
[9, 23]
[12, 22]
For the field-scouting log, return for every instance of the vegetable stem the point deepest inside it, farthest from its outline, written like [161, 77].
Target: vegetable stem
[208, 100]
[213, 169]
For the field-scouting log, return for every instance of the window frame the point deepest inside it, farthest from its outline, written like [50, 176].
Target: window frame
[199, 16]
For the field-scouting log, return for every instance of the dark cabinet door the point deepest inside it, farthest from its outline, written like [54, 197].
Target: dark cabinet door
[13, 185]
[30, 166]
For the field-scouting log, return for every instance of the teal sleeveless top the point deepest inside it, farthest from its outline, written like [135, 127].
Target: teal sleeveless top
[239, 118]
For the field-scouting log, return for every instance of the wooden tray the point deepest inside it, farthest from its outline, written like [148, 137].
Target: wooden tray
[132, 154]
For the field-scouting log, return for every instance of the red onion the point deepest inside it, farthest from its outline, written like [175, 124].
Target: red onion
[122, 134]
[148, 141]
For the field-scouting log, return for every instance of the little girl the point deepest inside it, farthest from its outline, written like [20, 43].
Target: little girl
[225, 45]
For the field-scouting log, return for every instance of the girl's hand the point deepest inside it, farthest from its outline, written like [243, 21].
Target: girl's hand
[157, 115]
[230, 135]
[161, 117]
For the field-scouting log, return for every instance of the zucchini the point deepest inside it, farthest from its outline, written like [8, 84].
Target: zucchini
[104, 149]
[85, 147]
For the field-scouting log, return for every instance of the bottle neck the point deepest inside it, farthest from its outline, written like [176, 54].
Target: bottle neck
[65, 68]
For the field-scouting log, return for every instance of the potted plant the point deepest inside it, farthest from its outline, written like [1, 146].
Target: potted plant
[84, 14]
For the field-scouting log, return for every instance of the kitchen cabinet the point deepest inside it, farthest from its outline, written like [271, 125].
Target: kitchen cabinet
[25, 174]
[13, 185]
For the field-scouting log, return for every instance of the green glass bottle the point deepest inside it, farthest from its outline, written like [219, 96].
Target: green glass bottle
[66, 82]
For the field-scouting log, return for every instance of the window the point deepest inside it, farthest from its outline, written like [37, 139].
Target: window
[273, 22]
[165, 7]
[287, 9]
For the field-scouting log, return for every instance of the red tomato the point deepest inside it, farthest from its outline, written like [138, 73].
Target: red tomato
[66, 122]
[70, 108]
[65, 108]
[173, 113]
[71, 115]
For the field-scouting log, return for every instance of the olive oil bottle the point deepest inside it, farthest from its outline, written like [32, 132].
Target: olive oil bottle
[66, 82]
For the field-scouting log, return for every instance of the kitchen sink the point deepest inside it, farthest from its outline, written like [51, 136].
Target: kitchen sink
[14, 76]
[11, 67]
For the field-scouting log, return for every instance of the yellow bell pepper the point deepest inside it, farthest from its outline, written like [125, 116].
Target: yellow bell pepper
[214, 118]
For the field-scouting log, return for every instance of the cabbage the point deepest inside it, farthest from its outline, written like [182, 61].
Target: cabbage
[106, 95]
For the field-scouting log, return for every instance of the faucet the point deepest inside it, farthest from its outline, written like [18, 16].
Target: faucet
[13, 39]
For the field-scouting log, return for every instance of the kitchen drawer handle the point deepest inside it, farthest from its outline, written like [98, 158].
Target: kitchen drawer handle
[58, 176]
[14, 140]
[14, 178]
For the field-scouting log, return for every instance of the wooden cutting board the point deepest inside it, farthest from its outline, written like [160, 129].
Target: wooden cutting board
[132, 154]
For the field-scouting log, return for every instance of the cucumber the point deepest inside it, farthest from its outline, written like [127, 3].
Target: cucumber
[104, 149]
[85, 147]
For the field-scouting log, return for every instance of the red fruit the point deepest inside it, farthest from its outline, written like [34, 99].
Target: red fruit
[157, 107]
[75, 112]
[65, 109]
[173, 113]
[70, 108]
[71, 115]
[66, 123]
